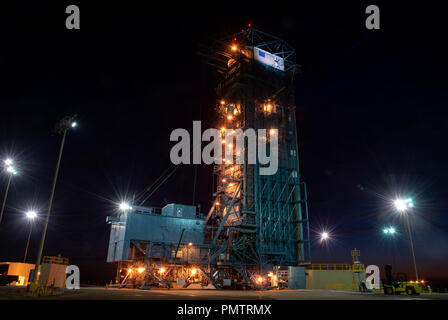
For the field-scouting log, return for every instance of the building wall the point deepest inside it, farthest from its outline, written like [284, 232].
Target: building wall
[296, 278]
[19, 269]
[156, 228]
[51, 273]
[332, 279]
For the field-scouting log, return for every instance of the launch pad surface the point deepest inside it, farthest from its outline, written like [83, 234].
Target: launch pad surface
[101, 293]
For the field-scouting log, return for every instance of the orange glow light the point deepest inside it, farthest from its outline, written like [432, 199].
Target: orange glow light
[234, 48]
[229, 117]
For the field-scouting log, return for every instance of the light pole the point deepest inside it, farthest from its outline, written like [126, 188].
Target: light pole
[30, 215]
[402, 206]
[390, 232]
[11, 171]
[61, 128]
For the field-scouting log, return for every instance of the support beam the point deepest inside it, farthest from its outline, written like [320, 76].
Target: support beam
[221, 226]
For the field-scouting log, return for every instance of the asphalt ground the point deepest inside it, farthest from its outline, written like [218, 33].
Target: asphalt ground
[101, 293]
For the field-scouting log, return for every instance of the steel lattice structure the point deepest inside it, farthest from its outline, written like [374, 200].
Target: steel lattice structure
[257, 222]
[260, 220]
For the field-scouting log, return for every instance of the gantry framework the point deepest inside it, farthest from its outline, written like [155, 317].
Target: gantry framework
[257, 221]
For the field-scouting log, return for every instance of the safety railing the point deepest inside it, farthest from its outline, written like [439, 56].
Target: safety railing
[339, 286]
[336, 266]
[55, 260]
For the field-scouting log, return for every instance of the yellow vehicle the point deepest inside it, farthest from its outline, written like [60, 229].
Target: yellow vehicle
[397, 286]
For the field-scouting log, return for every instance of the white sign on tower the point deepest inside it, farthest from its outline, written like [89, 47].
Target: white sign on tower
[269, 59]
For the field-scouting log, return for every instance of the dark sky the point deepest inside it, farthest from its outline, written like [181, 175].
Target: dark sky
[371, 109]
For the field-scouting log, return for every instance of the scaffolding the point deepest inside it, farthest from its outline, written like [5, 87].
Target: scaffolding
[257, 221]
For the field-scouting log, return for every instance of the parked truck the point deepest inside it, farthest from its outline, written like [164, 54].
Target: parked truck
[400, 284]
[7, 279]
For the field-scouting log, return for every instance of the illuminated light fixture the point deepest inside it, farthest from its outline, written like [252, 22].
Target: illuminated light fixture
[235, 112]
[223, 129]
[401, 205]
[231, 184]
[129, 270]
[229, 117]
[270, 274]
[272, 131]
[124, 206]
[422, 281]
[249, 25]
[232, 168]
[224, 180]
[74, 124]
[324, 236]
[162, 270]
[390, 230]
[193, 271]
[10, 169]
[269, 107]
[223, 141]
[260, 280]
[234, 48]
[8, 162]
[217, 203]
[140, 270]
[222, 102]
[31, 214]
[190, 244]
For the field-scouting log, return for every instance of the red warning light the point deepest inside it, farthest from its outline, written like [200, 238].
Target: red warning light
[250, 25]
[234, 39]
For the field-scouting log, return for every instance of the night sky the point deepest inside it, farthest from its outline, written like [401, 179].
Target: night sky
[371, 115]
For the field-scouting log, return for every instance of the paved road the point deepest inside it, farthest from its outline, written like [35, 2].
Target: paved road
[101, 293]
